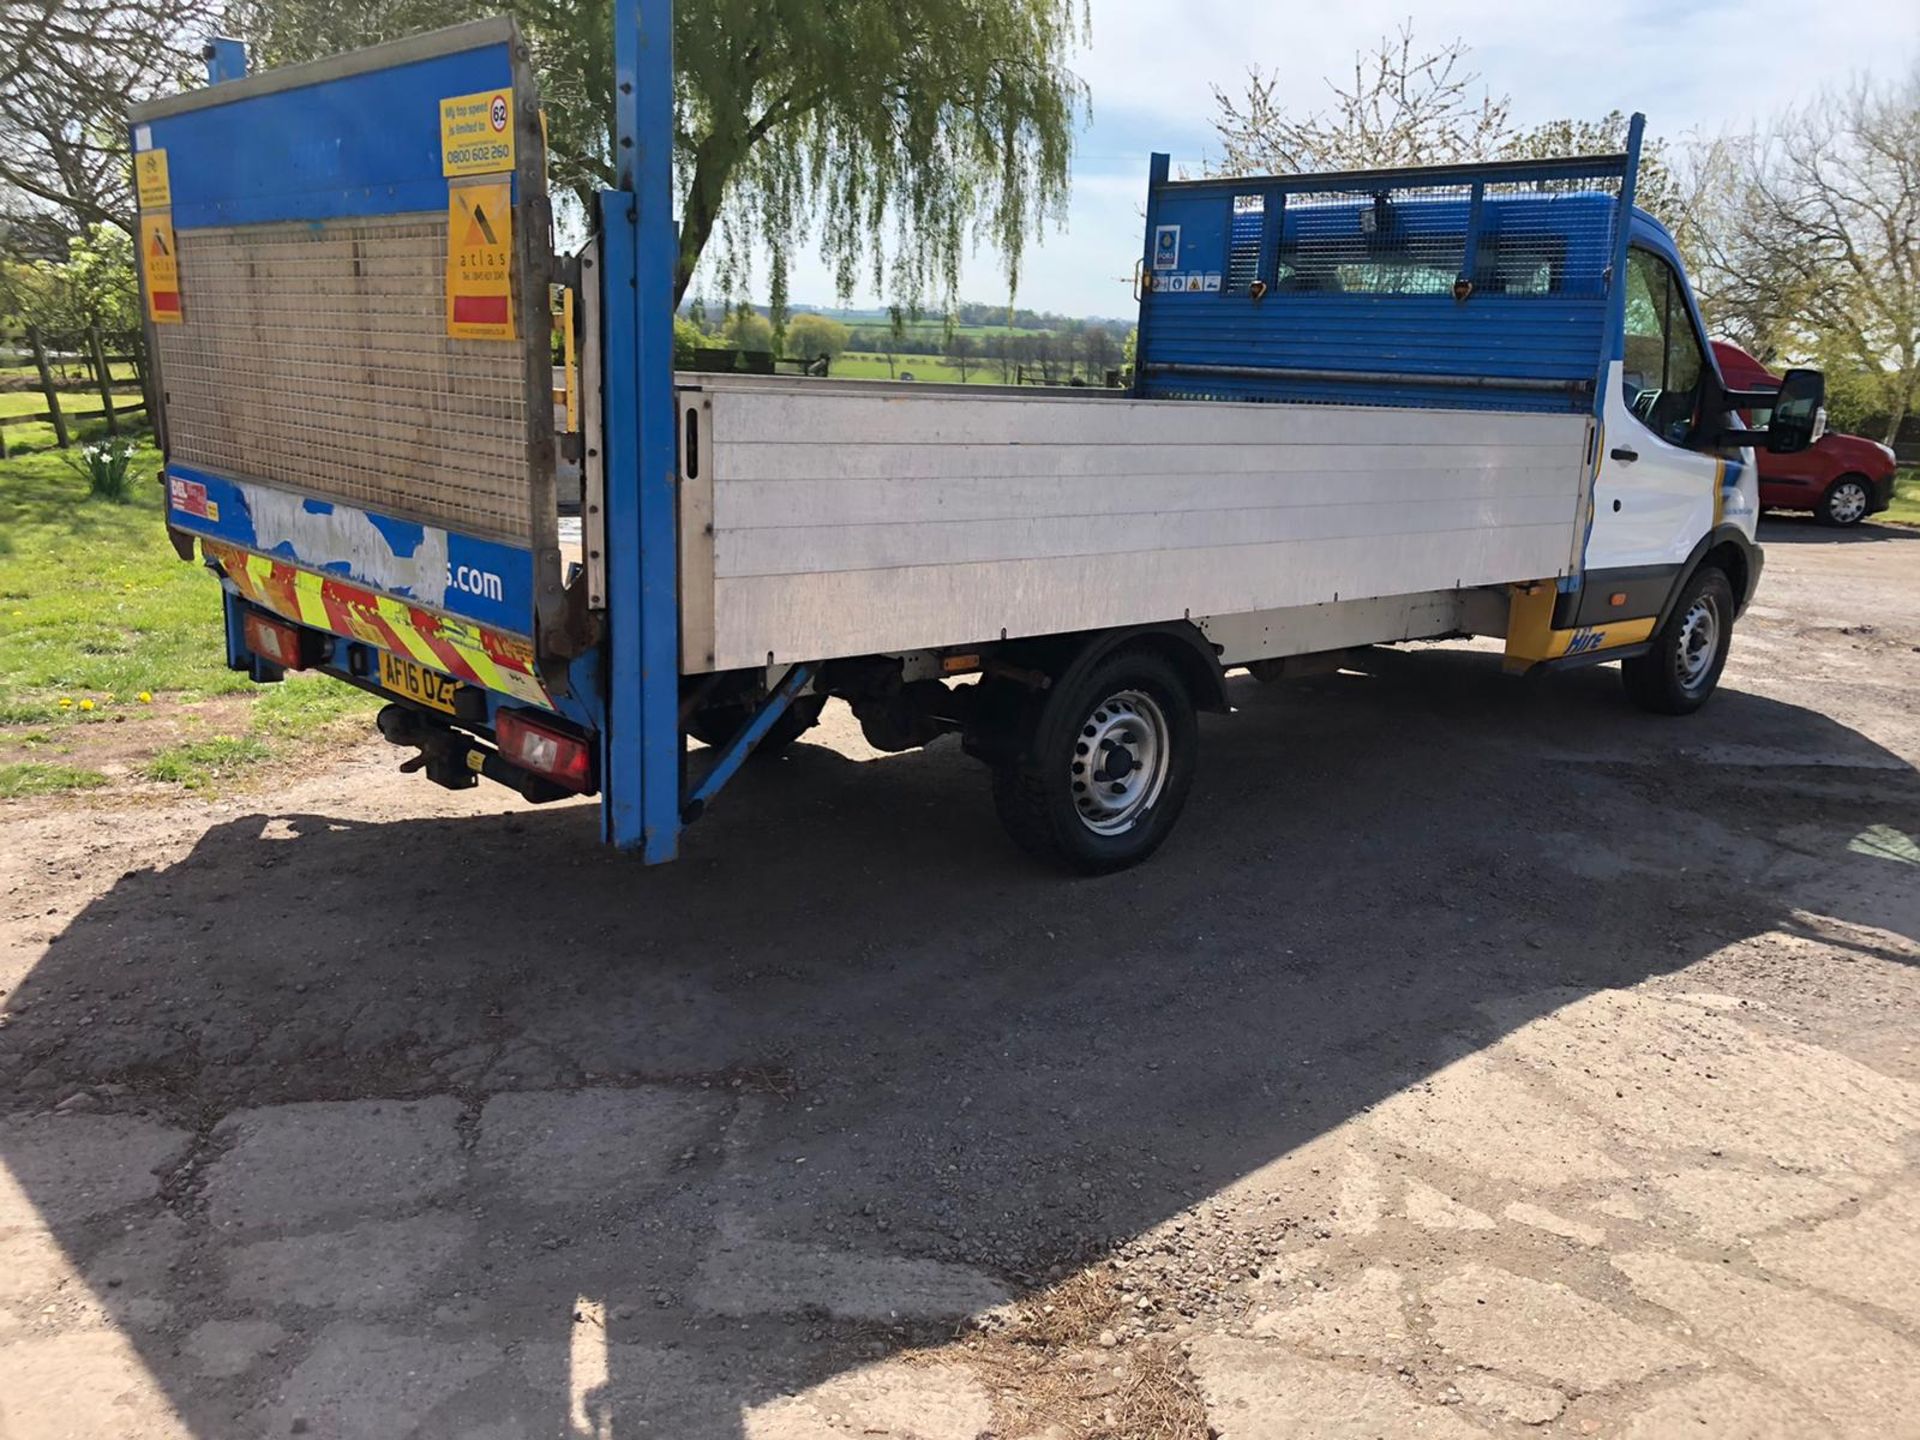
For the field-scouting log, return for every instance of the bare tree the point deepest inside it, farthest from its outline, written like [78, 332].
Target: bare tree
[1410, 106]
[1808, 241]
[1406, 106]
[68, 71]
[1099, 351]
[964, 354]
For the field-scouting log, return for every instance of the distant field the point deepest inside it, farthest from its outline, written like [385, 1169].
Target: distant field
[855, 366]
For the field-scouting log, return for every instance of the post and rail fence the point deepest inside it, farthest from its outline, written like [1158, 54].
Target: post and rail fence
[81, 363]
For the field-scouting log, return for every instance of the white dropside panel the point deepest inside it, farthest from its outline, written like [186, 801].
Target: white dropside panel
[848, 523]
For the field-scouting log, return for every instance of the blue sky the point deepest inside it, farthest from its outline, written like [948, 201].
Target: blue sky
[1692, 68]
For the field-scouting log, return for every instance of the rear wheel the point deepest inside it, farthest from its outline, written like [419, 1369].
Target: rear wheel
[1689, 651]
[1845, 502]
[720, 723]
[1106, 769]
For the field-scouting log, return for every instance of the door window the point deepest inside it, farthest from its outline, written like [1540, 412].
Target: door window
[1665, 361]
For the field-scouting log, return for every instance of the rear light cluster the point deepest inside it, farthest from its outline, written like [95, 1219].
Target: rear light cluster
[563, 758]
[285, 645]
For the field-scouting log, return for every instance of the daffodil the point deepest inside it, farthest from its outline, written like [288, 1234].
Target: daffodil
[86, 704]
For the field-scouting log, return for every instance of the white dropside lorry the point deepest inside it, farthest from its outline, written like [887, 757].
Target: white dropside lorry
[1366, 408]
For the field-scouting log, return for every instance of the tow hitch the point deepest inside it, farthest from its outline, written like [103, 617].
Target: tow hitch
[456, 760]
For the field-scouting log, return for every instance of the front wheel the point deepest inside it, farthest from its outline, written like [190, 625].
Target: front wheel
[1845, 502]
[1677, 675]
[1106, 769]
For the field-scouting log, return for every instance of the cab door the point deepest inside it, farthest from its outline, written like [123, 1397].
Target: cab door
[1654, 495]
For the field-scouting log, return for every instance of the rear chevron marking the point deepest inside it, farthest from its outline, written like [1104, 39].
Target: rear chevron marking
[463, 650]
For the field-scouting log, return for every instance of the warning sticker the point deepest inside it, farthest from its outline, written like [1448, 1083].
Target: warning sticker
[150, 181]
[476, 133]
[189, 497]
[160, 268]
[480, 261]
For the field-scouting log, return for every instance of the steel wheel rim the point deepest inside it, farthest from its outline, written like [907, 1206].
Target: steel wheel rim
[1120, 762]
[1699, 643]
[1848, 502]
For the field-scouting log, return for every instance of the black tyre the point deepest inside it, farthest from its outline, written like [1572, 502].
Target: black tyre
[1107, 768]
[720, 723]
[1845, 503]
[1689, 651]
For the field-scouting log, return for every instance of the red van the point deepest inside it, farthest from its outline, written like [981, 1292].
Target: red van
[1841, 478]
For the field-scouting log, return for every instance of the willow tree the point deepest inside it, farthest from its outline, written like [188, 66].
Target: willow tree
[892, 134]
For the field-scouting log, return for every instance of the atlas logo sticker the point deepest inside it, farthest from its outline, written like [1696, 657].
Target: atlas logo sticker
[160, 270]
[480, 260]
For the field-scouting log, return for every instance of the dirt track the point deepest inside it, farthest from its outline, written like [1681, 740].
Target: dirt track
[1480, 1057]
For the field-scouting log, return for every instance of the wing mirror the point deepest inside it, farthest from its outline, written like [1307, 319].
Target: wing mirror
[1799, 415]
[1799, 412]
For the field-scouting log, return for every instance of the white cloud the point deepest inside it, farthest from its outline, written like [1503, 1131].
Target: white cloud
[1691, 67]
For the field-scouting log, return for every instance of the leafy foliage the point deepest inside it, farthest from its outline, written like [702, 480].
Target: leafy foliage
[811, 336]
[1803, 240]
[893, 133]
[95, 284]
[748, 330]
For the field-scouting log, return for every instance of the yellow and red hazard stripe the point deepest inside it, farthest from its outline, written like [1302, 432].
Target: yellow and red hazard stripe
[459, 648]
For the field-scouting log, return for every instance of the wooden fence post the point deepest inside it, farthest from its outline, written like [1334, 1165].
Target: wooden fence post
[104, 374]
[46, 385]
[143, 370]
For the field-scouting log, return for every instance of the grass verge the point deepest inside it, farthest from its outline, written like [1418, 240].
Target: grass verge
[1905, 509]
[111, 643]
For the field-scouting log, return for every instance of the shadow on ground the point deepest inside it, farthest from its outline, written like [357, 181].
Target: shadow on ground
[883, 1070]
[1798, 529]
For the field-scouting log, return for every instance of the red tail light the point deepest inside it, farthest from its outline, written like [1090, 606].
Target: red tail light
[271, 640]
[565, 759]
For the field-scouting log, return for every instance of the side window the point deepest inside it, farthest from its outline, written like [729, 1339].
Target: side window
[1664, 363]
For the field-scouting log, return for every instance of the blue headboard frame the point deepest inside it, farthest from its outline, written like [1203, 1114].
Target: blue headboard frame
[1471, 286]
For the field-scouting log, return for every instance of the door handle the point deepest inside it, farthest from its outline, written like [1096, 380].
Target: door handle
[1622, 453]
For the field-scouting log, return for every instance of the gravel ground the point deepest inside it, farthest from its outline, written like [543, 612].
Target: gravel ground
[1481, 1057]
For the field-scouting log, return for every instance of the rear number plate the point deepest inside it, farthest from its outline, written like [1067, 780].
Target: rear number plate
[416, 682]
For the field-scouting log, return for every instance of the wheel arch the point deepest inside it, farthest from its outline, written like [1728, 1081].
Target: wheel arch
[1179, 642]
[1728, 547]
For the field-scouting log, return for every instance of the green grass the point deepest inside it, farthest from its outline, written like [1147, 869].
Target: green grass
[72, 402]
[303, 704]
[39, 436]
[197, 764]
[1905, 509]
[34, 777]
[857, 366]
[94, 604]
[97, 610]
